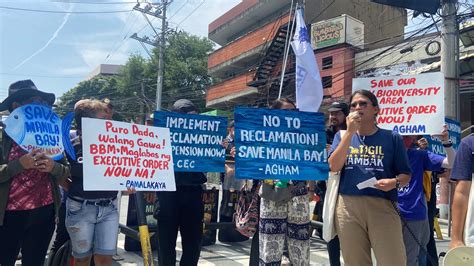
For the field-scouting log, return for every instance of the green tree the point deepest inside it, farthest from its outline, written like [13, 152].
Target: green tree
[185, 72]
[100, 87]
[185, 76]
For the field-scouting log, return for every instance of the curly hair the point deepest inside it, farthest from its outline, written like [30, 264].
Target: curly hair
[88, 108]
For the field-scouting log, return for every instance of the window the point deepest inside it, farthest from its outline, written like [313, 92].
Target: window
[327, 82]
[327, 62]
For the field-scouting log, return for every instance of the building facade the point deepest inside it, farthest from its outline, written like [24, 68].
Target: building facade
[252, 36]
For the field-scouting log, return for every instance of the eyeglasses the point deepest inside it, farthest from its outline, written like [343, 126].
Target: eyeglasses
[362, 104]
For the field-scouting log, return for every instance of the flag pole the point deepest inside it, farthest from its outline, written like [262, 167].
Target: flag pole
[287, 46]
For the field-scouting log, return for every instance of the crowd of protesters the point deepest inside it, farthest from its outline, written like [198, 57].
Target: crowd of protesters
[393, 218]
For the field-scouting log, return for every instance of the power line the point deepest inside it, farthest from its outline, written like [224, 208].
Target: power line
[93, 3]
[179, 9]
[192, 12]
[63, 12]
[122, 41]
[41, 76]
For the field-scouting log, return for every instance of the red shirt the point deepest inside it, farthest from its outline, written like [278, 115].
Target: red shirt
[29, 189]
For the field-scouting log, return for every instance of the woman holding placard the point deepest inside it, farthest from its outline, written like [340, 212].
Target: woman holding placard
[92, 218]
[284, 215]
[29, 196]
[373, 164]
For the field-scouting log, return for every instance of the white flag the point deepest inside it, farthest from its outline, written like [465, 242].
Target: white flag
[309, 89]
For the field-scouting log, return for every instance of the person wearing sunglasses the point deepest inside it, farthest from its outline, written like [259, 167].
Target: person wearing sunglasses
[372, 163]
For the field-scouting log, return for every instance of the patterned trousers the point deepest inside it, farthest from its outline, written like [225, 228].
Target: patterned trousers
[280, 220]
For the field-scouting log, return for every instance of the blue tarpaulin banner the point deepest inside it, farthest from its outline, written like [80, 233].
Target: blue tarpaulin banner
[196, 140]
[454, 129]
[280, 144]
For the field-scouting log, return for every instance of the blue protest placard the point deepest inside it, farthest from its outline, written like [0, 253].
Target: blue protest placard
[35, 126]
[196, 140]
[454, 130]
[280, 144]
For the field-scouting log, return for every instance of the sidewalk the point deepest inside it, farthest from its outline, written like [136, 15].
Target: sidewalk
[238, 253]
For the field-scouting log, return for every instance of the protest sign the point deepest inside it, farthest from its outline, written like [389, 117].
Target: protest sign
[35, 126]
[118, 155]
[280, 144]
[196, 140]
[454, 130]
[410, 105]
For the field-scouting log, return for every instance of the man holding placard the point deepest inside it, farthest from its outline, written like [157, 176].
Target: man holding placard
[182, 209]
[411, 198]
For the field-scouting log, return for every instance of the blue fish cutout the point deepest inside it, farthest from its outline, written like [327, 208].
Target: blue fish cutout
[37, 126]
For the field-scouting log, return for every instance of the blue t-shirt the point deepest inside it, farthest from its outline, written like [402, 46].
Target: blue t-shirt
[381, 155]
[411, 198]
[463, 167]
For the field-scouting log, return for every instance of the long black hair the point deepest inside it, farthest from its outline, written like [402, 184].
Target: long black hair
[278, 103]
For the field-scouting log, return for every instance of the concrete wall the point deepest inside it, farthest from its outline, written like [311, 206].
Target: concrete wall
[231, 86]
[341, 70]
[245, 43]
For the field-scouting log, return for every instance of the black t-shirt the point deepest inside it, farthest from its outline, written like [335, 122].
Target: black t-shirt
[189, 178]
[330, 133]
[76, 189]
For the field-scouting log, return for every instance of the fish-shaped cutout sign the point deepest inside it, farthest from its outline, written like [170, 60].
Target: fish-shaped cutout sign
[37, 126]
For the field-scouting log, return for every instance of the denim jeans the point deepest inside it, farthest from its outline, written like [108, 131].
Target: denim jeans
[93, 229]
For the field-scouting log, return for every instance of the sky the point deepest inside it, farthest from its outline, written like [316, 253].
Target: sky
[58, 50]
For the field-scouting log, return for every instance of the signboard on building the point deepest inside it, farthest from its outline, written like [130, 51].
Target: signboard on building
[342, 29]
[410, 105]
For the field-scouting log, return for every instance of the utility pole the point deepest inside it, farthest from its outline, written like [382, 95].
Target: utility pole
[159, 12]
[449, 53]
[161, 46]
[142, 104]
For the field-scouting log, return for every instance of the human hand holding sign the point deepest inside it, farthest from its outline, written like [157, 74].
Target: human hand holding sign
[44, 163]
[444, 136]
[422, 143]
[30, 160]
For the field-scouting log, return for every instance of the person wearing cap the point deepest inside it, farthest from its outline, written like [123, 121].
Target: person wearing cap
[338, 112]
[29, 195]
[181, 210]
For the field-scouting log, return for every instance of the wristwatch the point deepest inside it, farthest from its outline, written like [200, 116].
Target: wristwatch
[397, 183]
